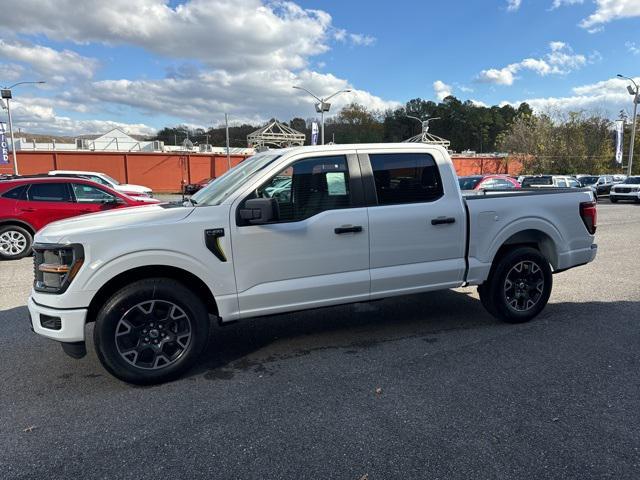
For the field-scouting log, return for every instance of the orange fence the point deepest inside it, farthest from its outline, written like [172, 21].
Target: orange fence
[167, 172]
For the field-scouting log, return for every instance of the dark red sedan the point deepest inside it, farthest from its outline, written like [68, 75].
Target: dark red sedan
[28, 204]
[488, 182]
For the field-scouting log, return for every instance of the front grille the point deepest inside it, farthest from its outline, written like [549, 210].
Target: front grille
[623, 190]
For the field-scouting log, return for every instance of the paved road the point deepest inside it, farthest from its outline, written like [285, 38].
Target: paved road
[294, 396]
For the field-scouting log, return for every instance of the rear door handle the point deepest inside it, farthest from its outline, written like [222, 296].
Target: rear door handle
[353, 229]
[443, 221]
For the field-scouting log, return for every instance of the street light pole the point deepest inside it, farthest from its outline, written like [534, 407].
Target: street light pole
[636, 100]
[322, 106]
[7, 95]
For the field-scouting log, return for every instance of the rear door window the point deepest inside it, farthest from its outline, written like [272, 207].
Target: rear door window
[49, 192]
[405, 178]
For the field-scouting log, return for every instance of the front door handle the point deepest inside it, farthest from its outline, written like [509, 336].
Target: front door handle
[28, 209]
[351, 229]
[443, 221]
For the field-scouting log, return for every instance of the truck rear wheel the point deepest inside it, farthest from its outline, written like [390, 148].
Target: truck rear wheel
[519, 286]
[151, 331]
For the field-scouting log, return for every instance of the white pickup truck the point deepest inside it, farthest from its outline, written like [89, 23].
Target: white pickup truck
[295, 229]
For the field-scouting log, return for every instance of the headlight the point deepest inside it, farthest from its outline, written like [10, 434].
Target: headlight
[55, 266]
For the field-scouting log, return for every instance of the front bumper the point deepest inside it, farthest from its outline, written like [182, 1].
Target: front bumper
[72, 322]
[625, 196]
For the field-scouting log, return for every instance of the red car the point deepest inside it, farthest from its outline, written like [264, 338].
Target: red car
[488, 182]
[28, 204]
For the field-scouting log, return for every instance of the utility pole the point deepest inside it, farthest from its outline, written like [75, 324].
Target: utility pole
[6, 94]
[226, 127]
[322, 106]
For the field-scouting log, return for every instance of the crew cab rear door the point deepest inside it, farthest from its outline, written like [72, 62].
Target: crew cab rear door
[416, 221]
[317, 252]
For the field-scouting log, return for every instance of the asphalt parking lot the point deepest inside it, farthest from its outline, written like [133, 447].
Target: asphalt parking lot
[426, 386]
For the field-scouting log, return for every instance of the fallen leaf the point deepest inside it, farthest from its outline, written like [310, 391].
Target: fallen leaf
[378, 392]
[29, 429]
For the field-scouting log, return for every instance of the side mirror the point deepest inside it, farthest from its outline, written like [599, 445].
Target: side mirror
[258, 211]
[112, 202]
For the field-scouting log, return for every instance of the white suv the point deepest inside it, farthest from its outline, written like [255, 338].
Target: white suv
[627, 190]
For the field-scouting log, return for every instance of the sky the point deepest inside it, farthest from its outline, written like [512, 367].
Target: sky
[145, 64]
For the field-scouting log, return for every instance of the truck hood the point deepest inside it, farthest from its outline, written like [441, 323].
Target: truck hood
[73, 229]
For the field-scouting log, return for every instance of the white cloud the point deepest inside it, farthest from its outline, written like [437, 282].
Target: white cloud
[34, 117]
[11, 72]
[278, 34]
[253, 97]
[479, 103]
[608, 97]
[441, 89]
[561, 60]
[513, 5]
[238, 56]
[54, 65]
[633, 48]
[562, 3]
[502, 76]
[609, 10]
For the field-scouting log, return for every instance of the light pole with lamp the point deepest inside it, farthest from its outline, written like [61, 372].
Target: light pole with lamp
[5, 93]
[322, 106]
[636, 100]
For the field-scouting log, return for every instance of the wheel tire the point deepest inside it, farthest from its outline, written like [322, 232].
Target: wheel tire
[529, 284]
[485, 298]
[15, 242]
[143, 306]
[613, 199]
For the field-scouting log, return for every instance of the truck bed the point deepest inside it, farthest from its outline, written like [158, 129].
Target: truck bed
[549, 217]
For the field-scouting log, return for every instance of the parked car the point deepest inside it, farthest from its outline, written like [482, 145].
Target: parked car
[557, 181]
[104, 179]
[627, 190]
[361, 222]
[600, 183]
[191, 188]
[487, 182]
[28, 204]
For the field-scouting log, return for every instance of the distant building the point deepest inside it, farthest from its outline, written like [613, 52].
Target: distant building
[115, 140]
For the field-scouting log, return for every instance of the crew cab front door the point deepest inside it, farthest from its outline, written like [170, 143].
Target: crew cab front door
[416, 223]
[316, 252]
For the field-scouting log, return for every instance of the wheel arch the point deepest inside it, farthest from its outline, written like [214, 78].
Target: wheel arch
[533, 238]
[18, 223]
[127, 277]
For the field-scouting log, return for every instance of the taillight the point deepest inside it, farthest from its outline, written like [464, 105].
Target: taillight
[589, 215]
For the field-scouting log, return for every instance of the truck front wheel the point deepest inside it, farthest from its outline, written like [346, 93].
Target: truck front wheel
[151, 331]
[519, 286]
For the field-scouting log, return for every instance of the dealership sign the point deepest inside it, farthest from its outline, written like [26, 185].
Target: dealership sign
[619, 134]
[3, 145]
[314, 133]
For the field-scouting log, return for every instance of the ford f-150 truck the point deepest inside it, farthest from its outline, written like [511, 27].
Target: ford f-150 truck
[354, 223]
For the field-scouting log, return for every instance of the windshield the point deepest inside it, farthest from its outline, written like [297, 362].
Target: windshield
[469, 183]
[104, 179]
[588, 180]
[530, 181]
[222, 187]
[632, 180]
